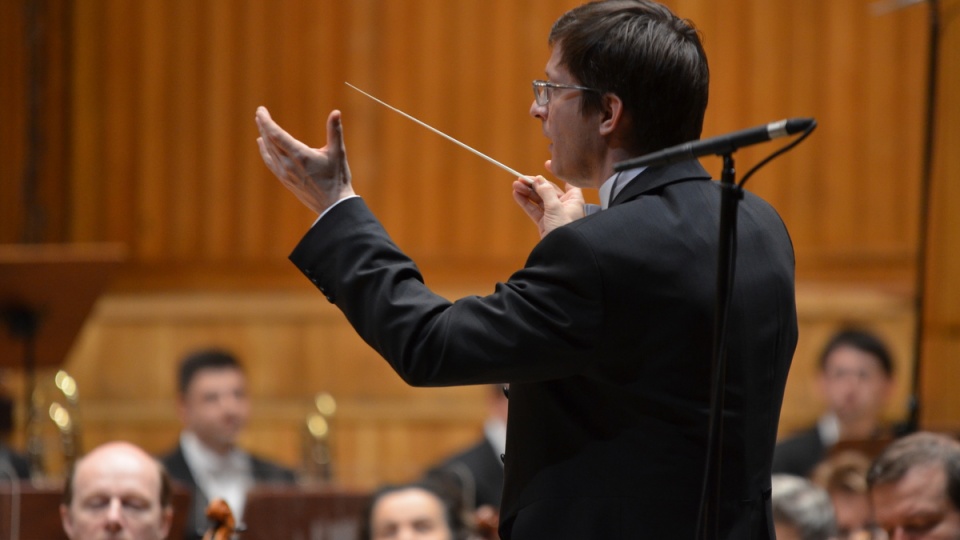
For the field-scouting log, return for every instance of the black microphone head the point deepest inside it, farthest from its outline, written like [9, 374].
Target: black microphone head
[796, 125]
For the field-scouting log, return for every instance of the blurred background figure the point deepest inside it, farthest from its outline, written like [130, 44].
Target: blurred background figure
[478, 470]
[417, 511]
[801, 510]
[117, 491]
[915, 488]
[12, 464]
[214, 407]
[844, 477]
[856, 381]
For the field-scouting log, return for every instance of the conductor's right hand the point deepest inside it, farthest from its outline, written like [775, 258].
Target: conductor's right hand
[546, 204]
[319, 177]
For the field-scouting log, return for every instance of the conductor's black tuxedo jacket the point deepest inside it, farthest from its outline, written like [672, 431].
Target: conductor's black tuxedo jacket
[605, 338]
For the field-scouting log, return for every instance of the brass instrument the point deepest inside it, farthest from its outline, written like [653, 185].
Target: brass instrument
[316, 458]
[64, 413]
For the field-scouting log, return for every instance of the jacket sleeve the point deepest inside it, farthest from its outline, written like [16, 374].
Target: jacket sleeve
[541, 324]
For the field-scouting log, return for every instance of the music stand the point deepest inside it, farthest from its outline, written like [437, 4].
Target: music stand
[303, 512]
[46, 293]
[39, 511]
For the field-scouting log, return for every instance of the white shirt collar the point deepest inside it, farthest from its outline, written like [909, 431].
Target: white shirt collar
[616, 183]
[495, 431]
[829, 429]
[228, 477]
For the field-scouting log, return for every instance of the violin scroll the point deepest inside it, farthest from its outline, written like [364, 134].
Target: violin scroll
[223, 524]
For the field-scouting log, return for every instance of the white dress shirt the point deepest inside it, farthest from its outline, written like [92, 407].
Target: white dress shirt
[228, 477]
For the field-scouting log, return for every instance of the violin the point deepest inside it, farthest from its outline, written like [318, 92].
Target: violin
[223, 524]
[487, 522]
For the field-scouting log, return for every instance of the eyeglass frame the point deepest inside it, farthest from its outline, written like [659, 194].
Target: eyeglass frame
[541, 84]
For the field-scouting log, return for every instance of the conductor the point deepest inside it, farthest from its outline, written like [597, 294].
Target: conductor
[605, 334]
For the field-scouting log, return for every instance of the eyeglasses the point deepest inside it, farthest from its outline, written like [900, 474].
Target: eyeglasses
[543, 90]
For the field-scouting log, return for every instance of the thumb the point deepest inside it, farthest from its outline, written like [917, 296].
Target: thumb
[335, 132]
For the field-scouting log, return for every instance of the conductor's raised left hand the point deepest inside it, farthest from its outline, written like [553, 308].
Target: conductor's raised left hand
[319, 177]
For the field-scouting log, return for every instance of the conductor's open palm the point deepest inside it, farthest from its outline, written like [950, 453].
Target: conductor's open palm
[318, 177]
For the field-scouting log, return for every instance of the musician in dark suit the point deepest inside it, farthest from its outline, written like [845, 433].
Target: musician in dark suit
[605, 335]
[214, 407]
[477, 471]
[856, 381]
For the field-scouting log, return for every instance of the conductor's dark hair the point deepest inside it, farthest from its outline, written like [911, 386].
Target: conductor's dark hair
[861, 340]
[647, 56]
[201, 360]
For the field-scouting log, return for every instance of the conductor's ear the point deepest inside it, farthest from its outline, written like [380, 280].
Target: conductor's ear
[612, 113]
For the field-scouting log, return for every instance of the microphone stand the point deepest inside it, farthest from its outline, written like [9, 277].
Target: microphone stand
[912, 421]
[730, 195]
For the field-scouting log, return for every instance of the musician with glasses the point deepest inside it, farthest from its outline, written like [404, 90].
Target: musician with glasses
[605, 335]
[915, 488]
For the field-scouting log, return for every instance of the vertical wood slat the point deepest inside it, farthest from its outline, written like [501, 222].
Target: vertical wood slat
[35, 53]
[14, 58]
[220, 143]
[184, 131]
[153, 207]
[86, 167]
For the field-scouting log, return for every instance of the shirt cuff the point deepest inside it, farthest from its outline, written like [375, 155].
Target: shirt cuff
[329, 208]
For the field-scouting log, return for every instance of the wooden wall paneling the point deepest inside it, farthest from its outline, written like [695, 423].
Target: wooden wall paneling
[251, 182]
[766, 97]
[50, 222]
[185, 134]
[154, 207]
[881, 217]
[120, 72]
[908, 68]
[842, 31]
[86, 161]
[187, 93]
[13, 128]
[941, 369]
[471, 93]
[220, 95]
[363, 119]
[807, 183]
[427, 69]
[725, 47]
[35, 55]
[396, 161]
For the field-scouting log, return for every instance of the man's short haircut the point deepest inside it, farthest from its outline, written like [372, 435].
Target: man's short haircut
[646, 55]
[201, 360]
[166, 485]
[861, 340]
[799, 503]
[919, 449]
[452, 507]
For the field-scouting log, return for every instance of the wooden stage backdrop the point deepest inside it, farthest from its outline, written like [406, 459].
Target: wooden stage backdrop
[132, 122]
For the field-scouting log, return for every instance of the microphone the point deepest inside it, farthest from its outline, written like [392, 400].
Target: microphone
[721, 144]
